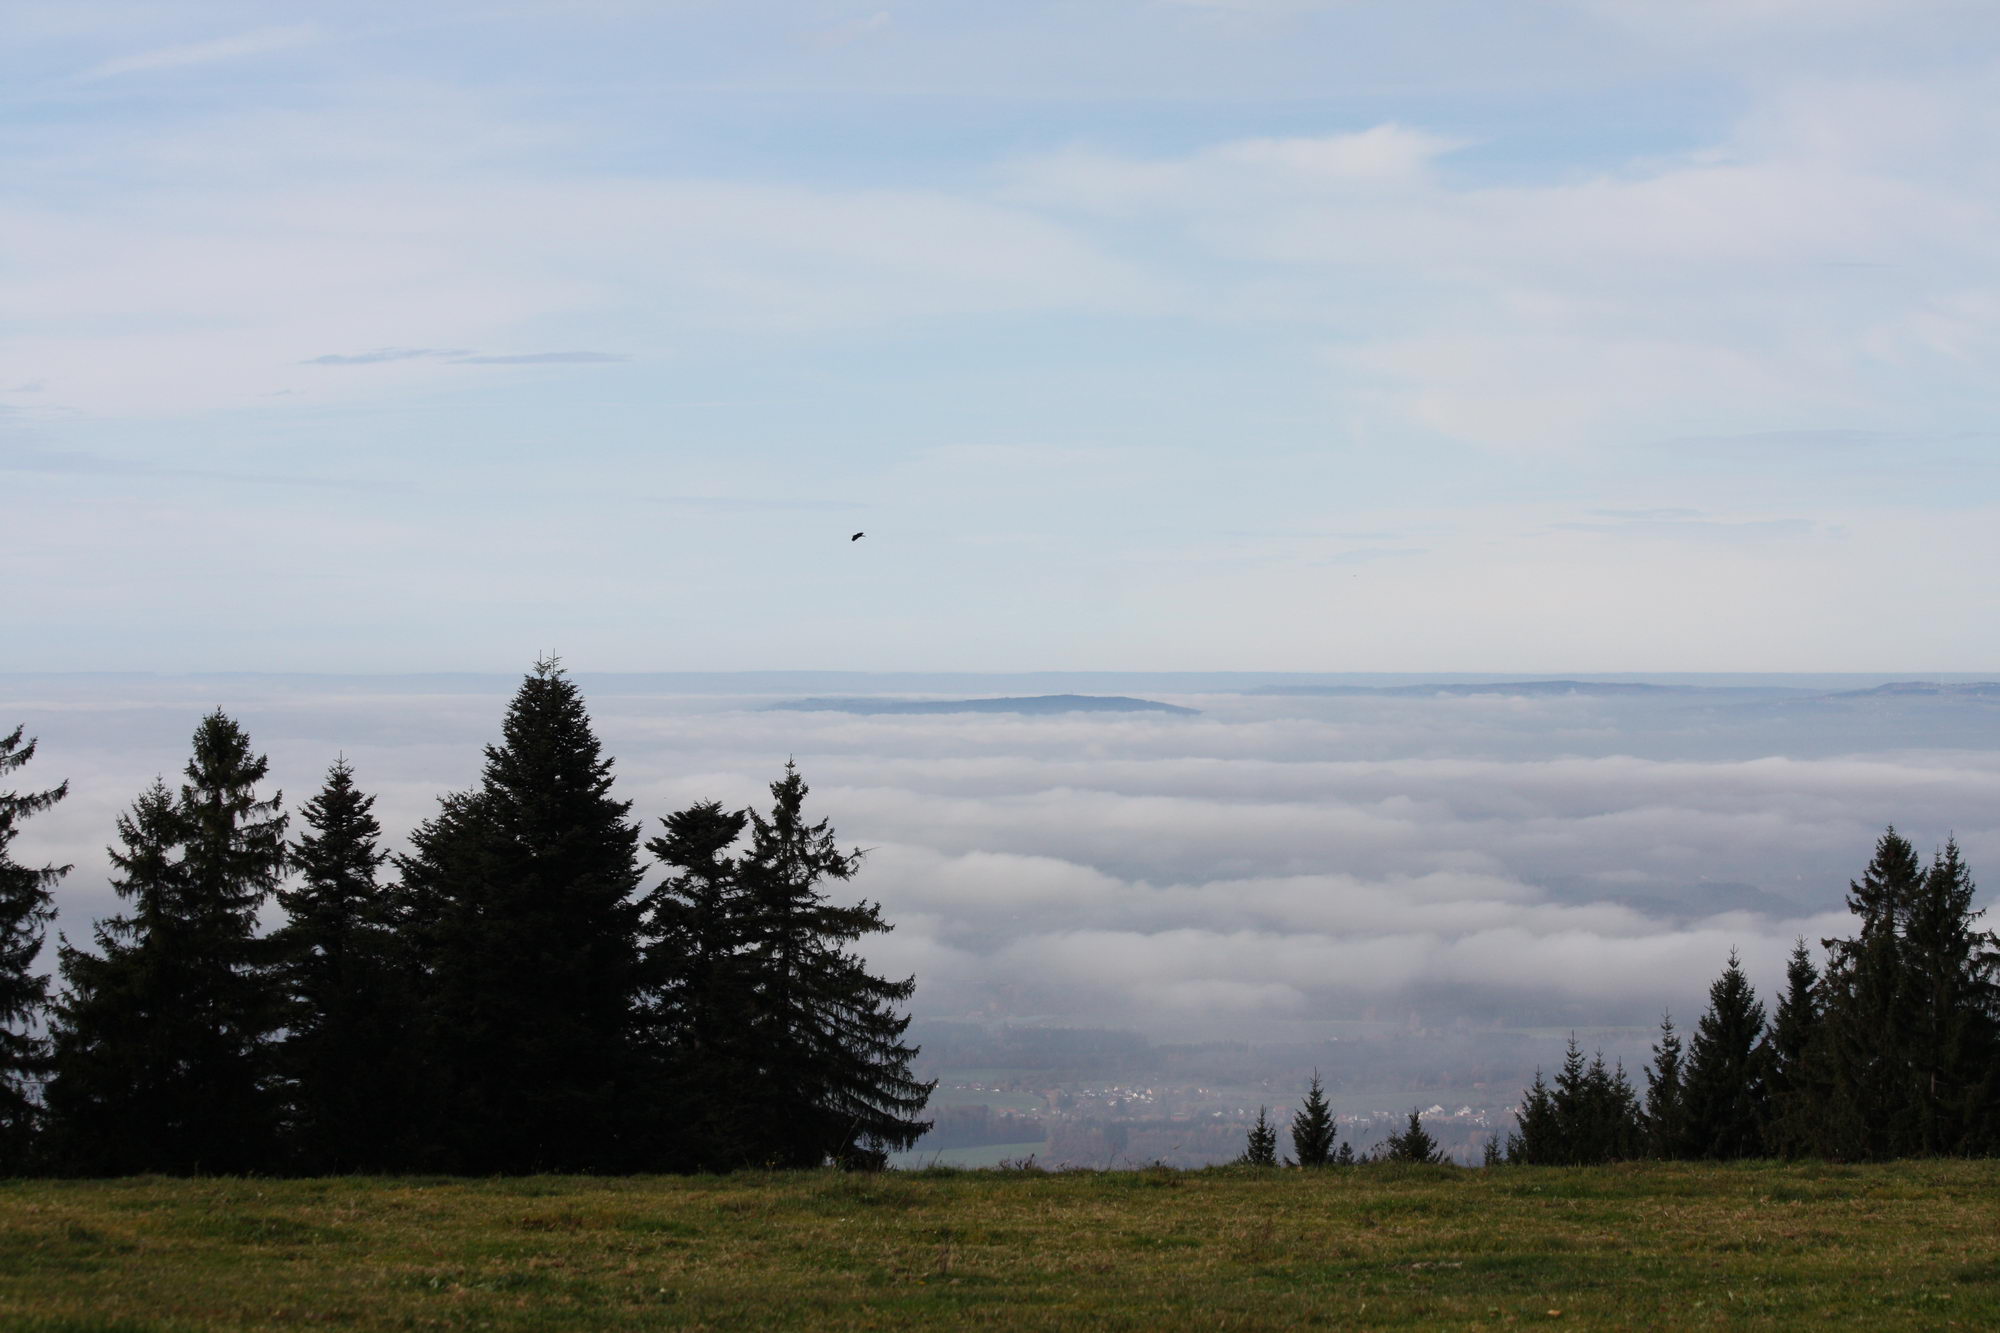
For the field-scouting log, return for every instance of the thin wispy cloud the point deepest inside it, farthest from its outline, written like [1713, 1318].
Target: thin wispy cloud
[383, 355]
[543, 359]
[262, 41]
[747, 503]
[461, 356]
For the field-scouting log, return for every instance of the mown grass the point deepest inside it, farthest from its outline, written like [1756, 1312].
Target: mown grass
[1907, 1245]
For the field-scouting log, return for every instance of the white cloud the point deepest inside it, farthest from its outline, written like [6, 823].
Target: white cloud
[1727, 283]
[1217, 875]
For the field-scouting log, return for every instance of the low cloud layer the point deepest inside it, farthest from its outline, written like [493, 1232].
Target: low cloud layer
[1268, 866]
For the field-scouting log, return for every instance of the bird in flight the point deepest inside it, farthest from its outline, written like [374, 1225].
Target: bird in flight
[857, 536]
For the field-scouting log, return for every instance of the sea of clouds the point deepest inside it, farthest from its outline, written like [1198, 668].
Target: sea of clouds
[1259, 871]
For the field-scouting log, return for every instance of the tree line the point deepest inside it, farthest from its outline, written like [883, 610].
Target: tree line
[507, 996]
[1889, 1048]
[1316, 1138]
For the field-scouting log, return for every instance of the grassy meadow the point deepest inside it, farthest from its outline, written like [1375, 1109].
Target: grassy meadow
[1913, 1244]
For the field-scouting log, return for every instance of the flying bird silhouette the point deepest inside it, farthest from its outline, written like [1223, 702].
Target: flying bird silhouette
[857, 536]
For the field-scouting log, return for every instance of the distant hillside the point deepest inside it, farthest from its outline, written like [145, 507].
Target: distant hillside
[1529, 688]
[1922, 689]
[1041, 703]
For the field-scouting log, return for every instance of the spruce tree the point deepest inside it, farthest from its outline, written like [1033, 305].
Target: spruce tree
[344, 1057]
[1794, 1075]
[1313, 1128]
[1867, 1012]
[1724, 1090]
[1666, 1110]
[1413, 1144]
[1950, 1005]
[162, 1038]
[25, 912]
[520, 903]
[700, 993]
[1537, 1138]
[1261, 1146]
[834, 1084]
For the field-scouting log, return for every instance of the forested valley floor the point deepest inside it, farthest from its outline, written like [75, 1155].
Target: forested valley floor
[1755, 1244]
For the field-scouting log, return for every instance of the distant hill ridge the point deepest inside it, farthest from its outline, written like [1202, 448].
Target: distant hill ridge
[1905, 689]
[1979, 689]
[1520, 687]
[1041, 703]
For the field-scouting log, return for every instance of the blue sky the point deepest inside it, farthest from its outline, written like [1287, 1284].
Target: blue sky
[1565, 335]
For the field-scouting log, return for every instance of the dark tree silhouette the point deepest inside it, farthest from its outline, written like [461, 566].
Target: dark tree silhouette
[344, 1057]
[25, 912]
[1795, 1074]
[1537, 1138]
[1413, 1144]
[834, 1082]
[1949, 1006]
[700, 994]
[1313, 1128]
[162, 1038]
[1725, 1071]
[1866, 1011]
[1666, 1095]
[520, 896]
[1261, 1146]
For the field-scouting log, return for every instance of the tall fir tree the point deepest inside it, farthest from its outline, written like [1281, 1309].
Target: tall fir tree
[520, 902]
[1260, 1146]
[700, 994]
[1867, 1010]
[1724, 1090]
[1666, 1100]
[834, 1082]
[1795, 1074]
[345, 1058]
[25, 912]
[1313, 1127]
[162, 1038]
[1951, 1003]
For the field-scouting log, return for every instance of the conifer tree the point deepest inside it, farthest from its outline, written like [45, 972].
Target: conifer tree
[700, 993]
[1950, 1003]
[1413, 1144]
[1796, 1091]
[1313, 1128]
[1724, 1091]
[344, 1058]
[835, 1082]
[1537, 1139]
[162, 1038]
[1345, 1157]
[520, 900]
[25, 912]
[1666, 1111]
[1867, 1010]
[1261, 1146]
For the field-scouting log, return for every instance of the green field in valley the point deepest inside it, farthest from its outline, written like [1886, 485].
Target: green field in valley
[1913, 1244]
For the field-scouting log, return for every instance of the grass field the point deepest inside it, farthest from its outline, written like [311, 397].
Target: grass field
[1907, 1245]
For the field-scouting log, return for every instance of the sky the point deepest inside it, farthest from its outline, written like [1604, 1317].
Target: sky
[1317, 335]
